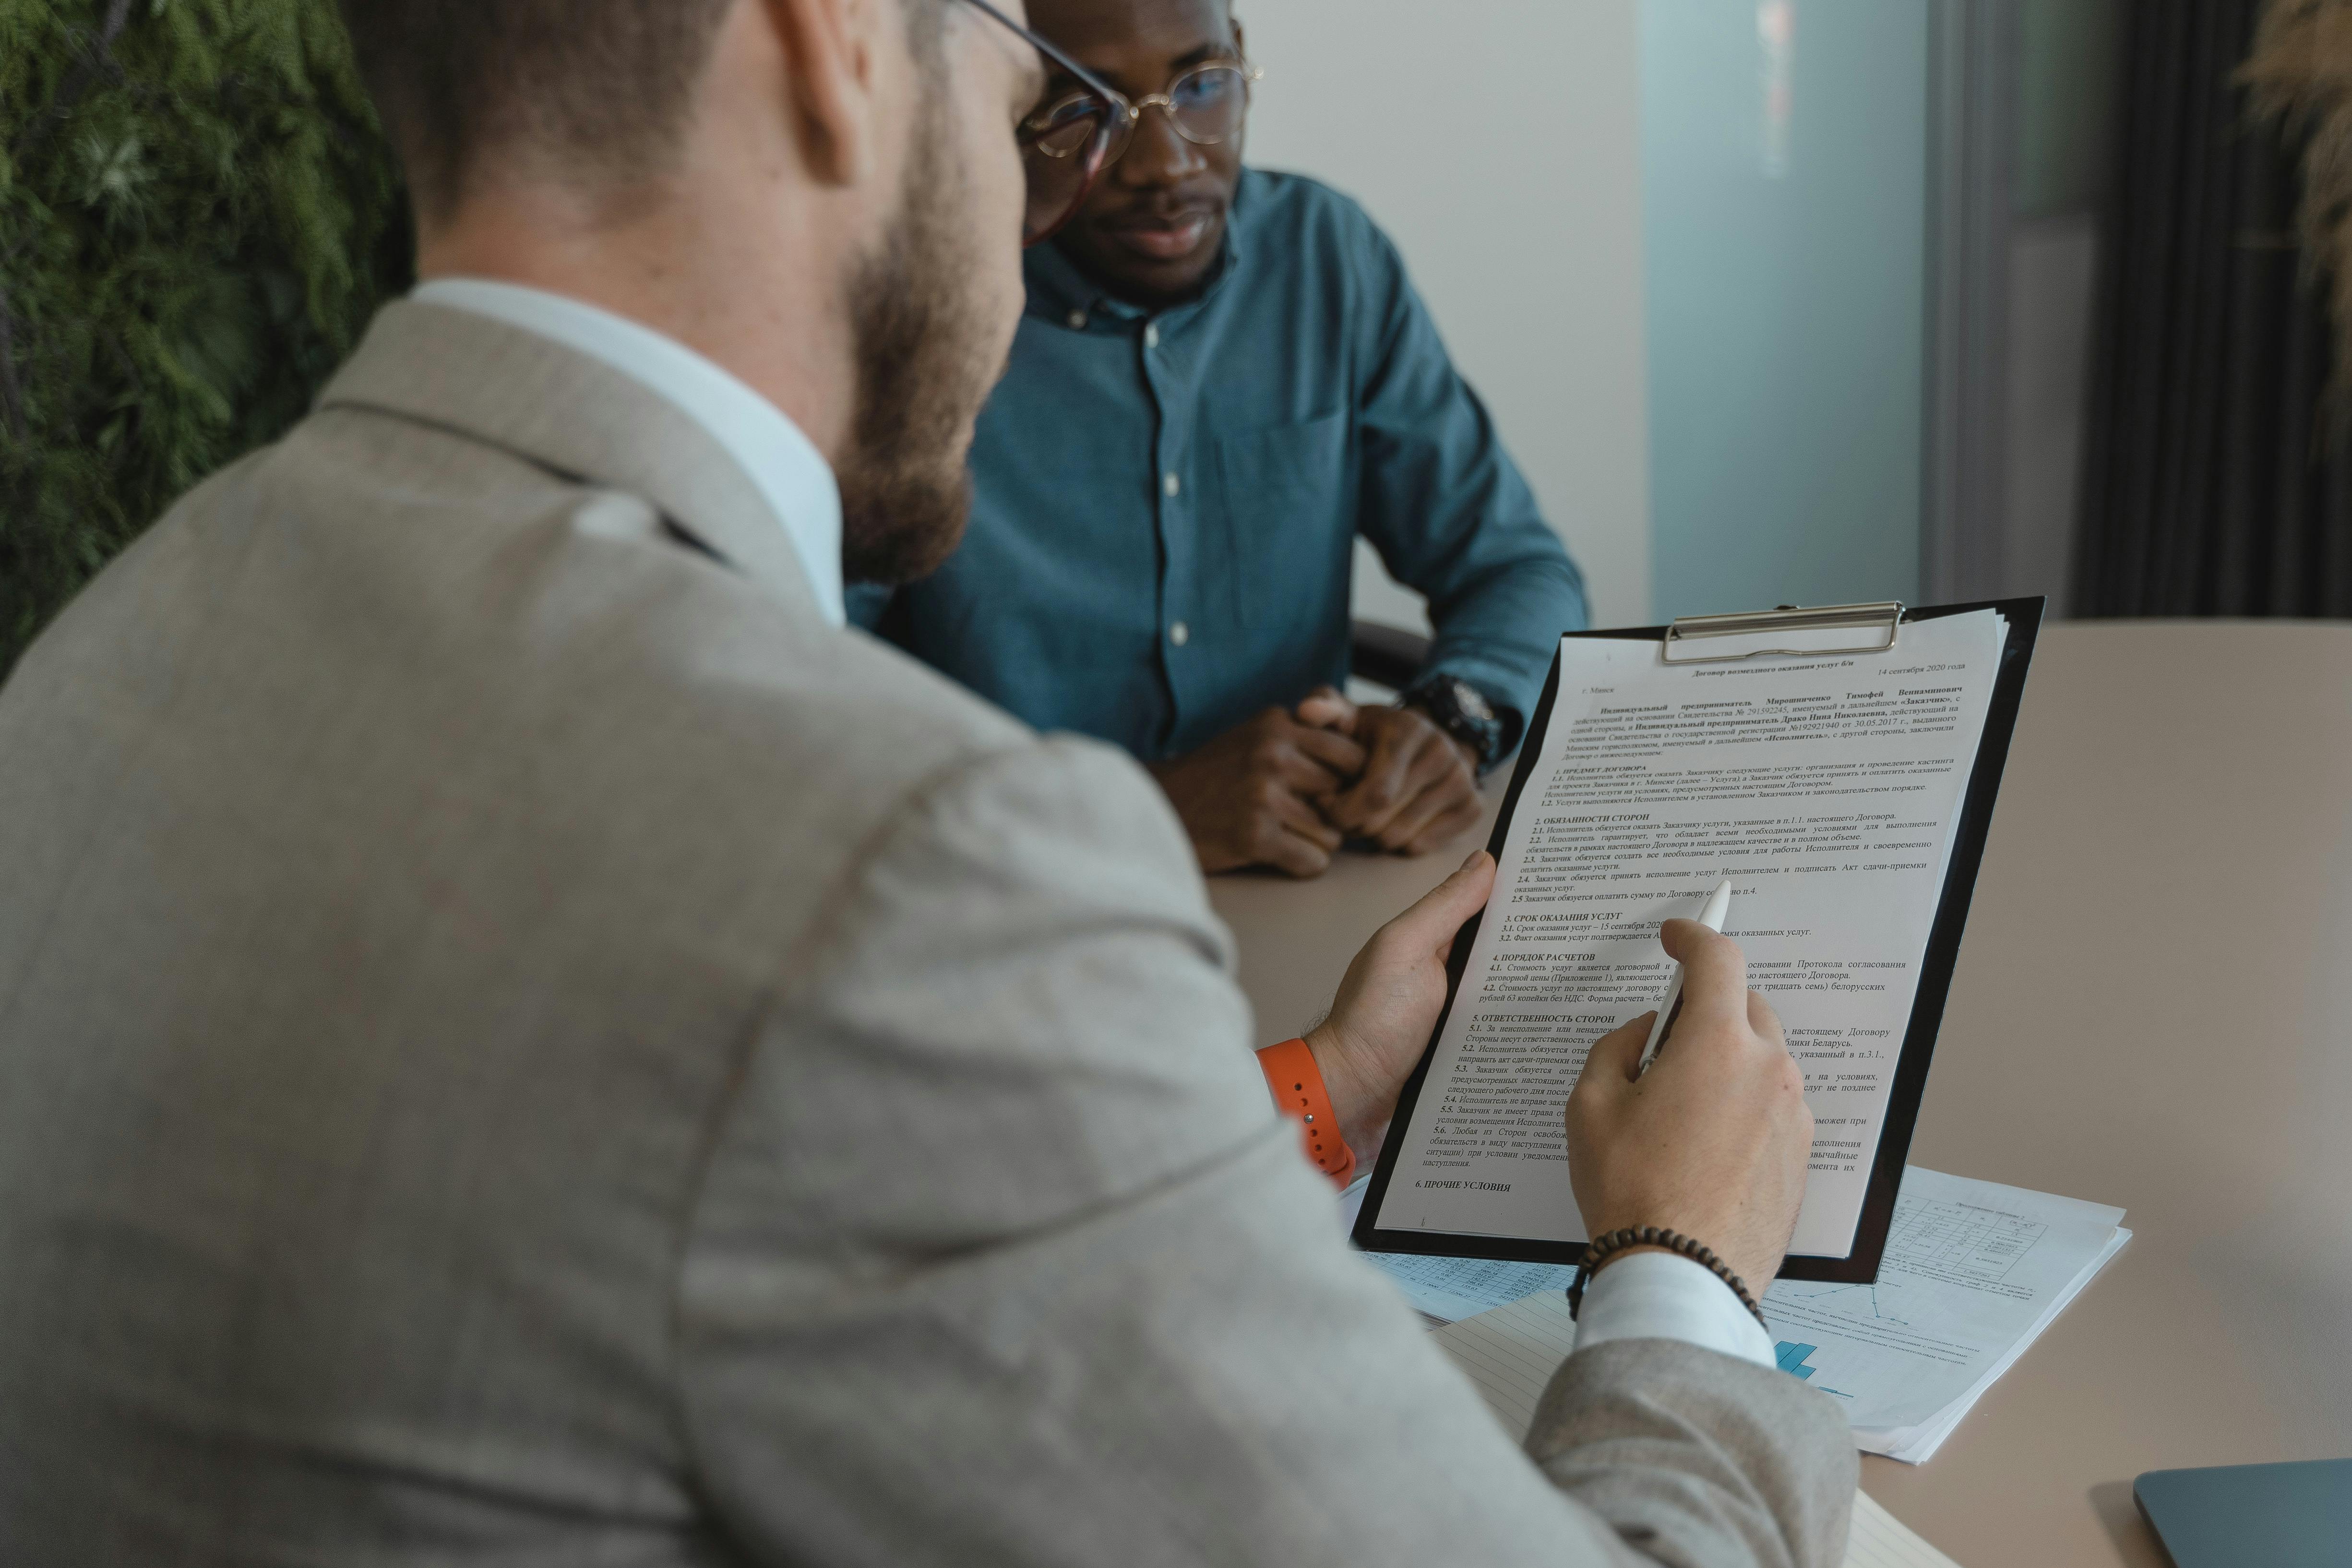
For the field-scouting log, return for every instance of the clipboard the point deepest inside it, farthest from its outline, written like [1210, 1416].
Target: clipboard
[1788, 631]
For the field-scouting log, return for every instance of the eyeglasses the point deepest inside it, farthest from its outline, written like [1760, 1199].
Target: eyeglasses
[1072, 136]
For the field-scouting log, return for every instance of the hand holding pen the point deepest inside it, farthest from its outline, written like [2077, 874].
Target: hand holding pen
[1670, 1006]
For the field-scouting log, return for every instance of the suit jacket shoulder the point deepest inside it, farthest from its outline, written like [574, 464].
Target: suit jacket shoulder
[407, 840]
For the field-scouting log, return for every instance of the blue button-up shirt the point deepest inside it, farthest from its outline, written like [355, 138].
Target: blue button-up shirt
[1165, 503]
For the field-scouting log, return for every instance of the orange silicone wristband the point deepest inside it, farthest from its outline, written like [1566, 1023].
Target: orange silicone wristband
[1298, 1093]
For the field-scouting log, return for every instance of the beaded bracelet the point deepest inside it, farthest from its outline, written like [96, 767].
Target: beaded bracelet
[1601, 1249]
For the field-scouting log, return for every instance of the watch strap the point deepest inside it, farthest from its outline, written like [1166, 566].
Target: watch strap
[1440, 697]
[1298, 1093]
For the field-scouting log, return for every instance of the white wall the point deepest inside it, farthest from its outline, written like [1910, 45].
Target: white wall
[1498, 143]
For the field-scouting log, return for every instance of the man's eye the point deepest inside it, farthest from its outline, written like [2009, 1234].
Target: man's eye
[1050, 117]
[1206, 89]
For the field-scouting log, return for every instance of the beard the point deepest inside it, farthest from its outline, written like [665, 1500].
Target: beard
[924, 363]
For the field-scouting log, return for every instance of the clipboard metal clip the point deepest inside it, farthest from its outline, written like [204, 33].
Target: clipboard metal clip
[1828, 628]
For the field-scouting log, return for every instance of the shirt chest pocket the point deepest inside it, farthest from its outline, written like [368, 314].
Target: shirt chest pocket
[1280, 514]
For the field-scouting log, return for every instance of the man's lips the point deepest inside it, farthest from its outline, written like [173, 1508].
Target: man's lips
[1169, 238]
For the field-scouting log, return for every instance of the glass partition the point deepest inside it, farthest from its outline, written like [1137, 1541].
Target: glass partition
[1785, 184]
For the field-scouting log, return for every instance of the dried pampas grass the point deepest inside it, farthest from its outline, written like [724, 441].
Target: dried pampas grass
[2301, 73]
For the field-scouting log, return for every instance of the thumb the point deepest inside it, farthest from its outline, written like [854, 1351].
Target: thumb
[1614, 1056]
[1431, 923]
[1326, 707]
[1715, 971]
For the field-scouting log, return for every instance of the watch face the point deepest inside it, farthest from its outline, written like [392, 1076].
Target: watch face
[1471, 701]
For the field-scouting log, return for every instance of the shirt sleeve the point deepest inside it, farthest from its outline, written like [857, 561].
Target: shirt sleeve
[1658, 1296]
[1446, 508]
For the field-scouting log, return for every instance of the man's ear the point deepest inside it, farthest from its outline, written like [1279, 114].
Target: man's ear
[828, 48]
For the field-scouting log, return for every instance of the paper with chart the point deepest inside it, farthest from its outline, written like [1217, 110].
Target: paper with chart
[1827, 788]
[1510, 1354]
[1447, 1290]
[1973, 1272]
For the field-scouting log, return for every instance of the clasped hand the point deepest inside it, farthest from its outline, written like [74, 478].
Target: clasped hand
[1288, 787]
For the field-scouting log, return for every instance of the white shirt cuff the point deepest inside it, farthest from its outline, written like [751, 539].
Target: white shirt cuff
[1658, 1296]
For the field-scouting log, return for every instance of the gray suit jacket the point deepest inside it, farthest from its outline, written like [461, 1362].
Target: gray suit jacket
[520, 1045]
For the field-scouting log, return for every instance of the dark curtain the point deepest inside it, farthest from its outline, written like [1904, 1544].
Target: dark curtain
[2215, 481]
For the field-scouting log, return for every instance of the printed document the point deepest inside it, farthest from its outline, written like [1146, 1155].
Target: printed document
[1973, 1272]
[1827, 787]
[1447, 1290]
[1510, 1354]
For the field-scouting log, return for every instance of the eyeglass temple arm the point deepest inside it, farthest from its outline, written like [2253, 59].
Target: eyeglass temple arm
[1086, 78]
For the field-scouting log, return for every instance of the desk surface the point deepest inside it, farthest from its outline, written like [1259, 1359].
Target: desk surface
[2153, 1009]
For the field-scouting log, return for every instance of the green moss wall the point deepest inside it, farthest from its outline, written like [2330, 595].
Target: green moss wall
[197, 217]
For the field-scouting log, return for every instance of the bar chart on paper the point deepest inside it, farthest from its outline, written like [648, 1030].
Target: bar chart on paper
[1973, 1272]
[1511, 1353]
[1797, 1361]
[1937, 1243]
[1963, 1240]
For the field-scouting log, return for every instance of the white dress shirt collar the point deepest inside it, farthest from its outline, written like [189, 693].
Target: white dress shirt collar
[782, 464]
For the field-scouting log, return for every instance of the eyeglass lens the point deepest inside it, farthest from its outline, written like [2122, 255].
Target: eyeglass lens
[1069, 139]
[1065, 147]
[1208, 103]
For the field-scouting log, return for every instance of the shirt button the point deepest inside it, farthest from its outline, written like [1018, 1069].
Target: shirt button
[1151, 337]
[1171, 483]
[1078, 321]
[1180, 634]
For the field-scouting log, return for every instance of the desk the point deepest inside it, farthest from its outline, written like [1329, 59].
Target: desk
[2153, 1009]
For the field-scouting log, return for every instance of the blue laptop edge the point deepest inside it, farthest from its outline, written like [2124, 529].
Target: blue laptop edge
[2252, 1516]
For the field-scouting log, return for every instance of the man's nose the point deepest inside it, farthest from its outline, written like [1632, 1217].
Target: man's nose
[1159, 155]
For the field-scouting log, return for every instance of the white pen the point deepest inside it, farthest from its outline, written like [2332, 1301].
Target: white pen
[1719, 904]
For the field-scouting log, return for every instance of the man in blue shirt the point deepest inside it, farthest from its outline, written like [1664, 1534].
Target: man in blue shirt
[1222, 376]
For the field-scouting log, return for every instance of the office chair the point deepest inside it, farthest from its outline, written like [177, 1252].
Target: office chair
[1386, 656]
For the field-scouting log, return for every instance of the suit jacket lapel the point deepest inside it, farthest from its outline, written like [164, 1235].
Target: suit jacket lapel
[575, 414]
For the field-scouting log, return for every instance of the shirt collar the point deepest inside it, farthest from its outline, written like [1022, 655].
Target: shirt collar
[782, 464]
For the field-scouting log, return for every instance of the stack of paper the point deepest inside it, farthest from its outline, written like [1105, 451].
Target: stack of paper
[1973, 1272]
[1447, 1290]
[1512, 1352]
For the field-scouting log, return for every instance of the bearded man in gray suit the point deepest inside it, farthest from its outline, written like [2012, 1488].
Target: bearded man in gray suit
[523, 1041]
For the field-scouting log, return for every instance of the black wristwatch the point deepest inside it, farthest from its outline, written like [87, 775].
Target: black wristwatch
[1462, 711]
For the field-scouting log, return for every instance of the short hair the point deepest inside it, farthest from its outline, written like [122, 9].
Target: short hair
[599, 86]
